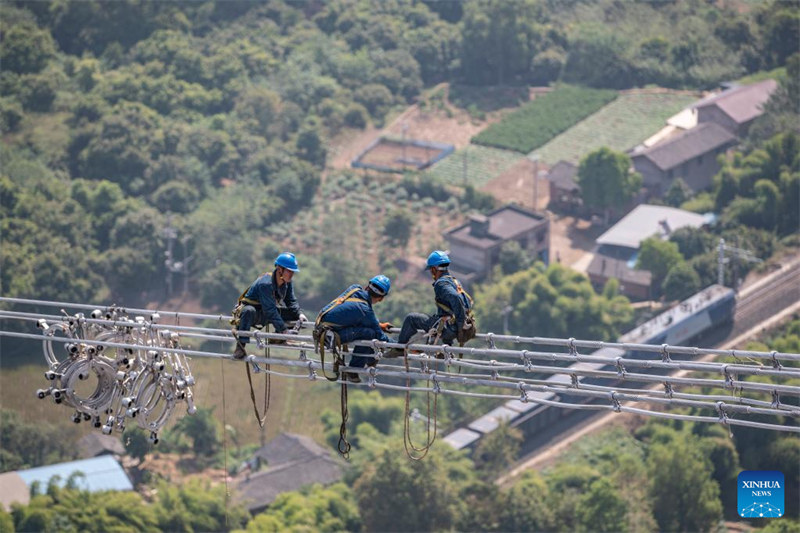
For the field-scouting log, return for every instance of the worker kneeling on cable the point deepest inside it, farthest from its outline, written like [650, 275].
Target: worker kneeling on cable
[453, 319]
[269, 300]
[352, 318]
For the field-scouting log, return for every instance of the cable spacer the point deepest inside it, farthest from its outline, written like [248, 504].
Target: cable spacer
[523, 394]
[723, 416]
[490, 340]
[776, 399]
[614, 402]
[372, 375]
[775, 363]
[665, 353]
[668, 389]
[620, 367]
[728, 377]
[437, 389]
[575, 382]
[446, 352]
[312, 374]
[303, 356]
[526, 361]
[572, 349]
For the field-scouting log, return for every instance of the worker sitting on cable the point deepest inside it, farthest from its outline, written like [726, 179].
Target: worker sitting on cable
[453, 319]
[270, 299]
[351, 316]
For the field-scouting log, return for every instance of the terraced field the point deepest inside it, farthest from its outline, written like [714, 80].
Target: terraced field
[620, 125]
[482, 164]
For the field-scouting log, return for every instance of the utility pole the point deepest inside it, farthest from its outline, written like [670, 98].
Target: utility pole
[506, 310]
[175, 267]
[739, 253]
[464, 168]
[405, 129]
[535, 159]
[170, 234]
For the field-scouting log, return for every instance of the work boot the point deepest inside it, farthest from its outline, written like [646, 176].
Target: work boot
[394, 352]
[352, 377]
[240, 352]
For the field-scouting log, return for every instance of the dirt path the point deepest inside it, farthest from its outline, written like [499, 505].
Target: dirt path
[444, 124]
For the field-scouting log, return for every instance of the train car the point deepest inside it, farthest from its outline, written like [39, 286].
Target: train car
[708, 309]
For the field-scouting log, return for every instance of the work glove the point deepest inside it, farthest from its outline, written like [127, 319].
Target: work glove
[386, 326]
[302, 318]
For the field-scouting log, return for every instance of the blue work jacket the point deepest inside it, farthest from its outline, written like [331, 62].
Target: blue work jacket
[448, 301]
[354, 320]
[266, 292]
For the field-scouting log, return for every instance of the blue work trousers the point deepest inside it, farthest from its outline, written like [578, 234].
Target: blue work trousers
[358, 361]
[252, 315]
[416, 321]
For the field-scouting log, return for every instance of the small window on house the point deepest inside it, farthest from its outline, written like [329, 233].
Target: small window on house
[540, 236]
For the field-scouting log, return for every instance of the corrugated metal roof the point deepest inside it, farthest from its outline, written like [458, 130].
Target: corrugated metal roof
[461, 438]
[647, 220]
[99, 473]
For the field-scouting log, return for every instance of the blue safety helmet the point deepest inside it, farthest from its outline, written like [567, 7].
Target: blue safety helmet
[438, 259]
[380, 285]
[287, 261]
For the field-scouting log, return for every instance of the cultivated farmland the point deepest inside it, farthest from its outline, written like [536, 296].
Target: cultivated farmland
[620, 125]
[537, 122]
[482, 164]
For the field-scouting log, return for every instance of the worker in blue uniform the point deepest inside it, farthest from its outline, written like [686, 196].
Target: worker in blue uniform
[269, 300]
[453, 305]
[352, 317]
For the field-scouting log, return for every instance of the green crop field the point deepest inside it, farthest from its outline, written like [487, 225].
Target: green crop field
[536, 122]
[620, 125]
[482, 164]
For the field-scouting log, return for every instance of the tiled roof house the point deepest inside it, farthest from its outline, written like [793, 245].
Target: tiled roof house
[293, 461]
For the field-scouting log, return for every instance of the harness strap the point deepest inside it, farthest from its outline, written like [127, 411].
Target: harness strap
[347, 297]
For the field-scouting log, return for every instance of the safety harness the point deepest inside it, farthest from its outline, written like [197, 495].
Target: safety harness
[325, 336]
[468, 329]
[242, 301]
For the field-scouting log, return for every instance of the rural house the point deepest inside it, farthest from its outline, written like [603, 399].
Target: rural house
[292, 462]
[618, 248]
[475, 245]
[690, 155]
[565, 193]
[93, 475]
[736, 108]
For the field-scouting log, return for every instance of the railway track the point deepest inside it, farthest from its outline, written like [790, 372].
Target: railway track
[756, 304]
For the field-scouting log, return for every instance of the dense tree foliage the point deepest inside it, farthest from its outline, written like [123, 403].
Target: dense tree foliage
[553, 302]
[607, 181]
[194, 507]
[32, 443]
